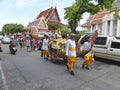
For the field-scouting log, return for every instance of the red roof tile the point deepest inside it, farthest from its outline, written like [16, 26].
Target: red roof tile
[34, 23]
[95, 19]
[47, 13]
[59, 23]
[44, 13]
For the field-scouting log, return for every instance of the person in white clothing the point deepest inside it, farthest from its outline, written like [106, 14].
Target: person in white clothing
[71, 53]
[45, 47]
[87, 48]
[87, 45]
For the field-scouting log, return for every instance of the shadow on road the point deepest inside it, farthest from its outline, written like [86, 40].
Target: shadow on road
[112, 62]
[60, 62]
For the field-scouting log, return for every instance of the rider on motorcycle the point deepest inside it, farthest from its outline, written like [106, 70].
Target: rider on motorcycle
[12, 43]
[12, 46]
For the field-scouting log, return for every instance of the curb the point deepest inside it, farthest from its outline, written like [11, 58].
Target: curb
[3, 77]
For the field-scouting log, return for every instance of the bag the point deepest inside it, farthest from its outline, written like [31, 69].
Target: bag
[83, 53]
[1, 49]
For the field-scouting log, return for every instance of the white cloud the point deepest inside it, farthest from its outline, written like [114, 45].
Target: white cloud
[21, 3]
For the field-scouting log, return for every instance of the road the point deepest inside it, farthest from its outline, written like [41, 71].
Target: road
[29, 71]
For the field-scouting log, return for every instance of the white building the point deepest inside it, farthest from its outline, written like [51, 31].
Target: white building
[104, 21]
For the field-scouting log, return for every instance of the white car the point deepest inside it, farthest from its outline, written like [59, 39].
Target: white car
[1, 36]
[106, 47]
[5, 40]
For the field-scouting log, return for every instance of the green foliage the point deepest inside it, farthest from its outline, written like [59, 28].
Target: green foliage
[12, 28]
[116, 15]
[1, 33]
[74, 13]
[81, 33]
[73, 16]
[105, 3]
[53, 26]
[64, 31]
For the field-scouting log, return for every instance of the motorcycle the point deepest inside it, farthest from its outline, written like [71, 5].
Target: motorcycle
[13, 49]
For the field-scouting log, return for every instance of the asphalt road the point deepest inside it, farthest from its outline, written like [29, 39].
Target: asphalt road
[29, 71]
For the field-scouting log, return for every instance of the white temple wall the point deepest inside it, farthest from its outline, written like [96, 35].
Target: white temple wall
[114, 28]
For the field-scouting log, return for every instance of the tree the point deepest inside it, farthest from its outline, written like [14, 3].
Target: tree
[75, 12]
[81, 33]
[116, 15]
[1, 33]
[64, 31]
[53, 26]
[12, 28]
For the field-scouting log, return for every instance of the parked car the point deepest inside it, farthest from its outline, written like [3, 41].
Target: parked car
[5, 40]
[1, 36]
[106, 47]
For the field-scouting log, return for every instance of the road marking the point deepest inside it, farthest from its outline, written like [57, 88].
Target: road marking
[3, 77]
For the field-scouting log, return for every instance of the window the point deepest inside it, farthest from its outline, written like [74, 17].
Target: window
[115, 45]
[100, 40]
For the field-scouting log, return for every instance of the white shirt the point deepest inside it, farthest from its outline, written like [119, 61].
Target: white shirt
[45, 44]
[86, 46]
[28, 43]
[70, 44]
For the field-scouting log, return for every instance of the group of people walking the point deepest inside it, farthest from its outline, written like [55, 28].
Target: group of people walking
[30, 43]
[71, 52]
[71, 48]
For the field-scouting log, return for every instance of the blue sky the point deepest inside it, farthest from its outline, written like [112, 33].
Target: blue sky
[24, 11]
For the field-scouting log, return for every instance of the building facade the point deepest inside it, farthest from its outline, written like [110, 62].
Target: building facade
[111, 26]
[105, 22]
[94, 22]
[39, 26]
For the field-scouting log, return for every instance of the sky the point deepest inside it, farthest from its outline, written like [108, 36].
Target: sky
[25, 11]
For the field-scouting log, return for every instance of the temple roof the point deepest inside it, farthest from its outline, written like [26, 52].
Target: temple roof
[34, 23]
[39, 23]
[95, 19]
[48, 13]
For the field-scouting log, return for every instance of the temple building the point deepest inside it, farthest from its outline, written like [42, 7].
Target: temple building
[39, 26]
[94, 21]
[104, 21]
[51, 16]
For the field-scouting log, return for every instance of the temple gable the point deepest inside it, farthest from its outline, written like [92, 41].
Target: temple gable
[54, 17]
[42, 23]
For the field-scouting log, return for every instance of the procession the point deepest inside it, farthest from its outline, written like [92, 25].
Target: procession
[60, 45]
[67, 48]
